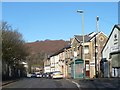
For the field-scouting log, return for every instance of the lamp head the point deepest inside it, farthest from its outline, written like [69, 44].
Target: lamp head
[97, 18]
[80, 11]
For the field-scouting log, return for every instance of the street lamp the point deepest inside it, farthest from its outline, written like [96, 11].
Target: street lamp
[82, 13]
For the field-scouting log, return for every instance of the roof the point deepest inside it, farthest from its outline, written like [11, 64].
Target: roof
[115, 26]
[61, 50]
[87, 37]
[80, 38]
[95, 35]
[90, 33]
[118, 26]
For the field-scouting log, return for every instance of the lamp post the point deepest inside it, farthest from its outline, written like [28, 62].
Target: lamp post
[82, 13]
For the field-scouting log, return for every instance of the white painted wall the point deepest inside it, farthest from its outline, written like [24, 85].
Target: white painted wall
[110, 46]
[119, 38]
[57, 63]
[54, 60]
[52, 64]
[46, 69]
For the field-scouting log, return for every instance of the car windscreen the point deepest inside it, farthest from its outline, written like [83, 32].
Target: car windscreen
[57, 72]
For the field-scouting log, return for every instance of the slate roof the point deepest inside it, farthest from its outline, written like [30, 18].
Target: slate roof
[61, 50]
[87, 37]
[80, 38]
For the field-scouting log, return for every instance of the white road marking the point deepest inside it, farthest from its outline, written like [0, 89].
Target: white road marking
[74, 83]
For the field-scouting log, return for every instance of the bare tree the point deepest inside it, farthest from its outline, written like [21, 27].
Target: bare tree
[13, 46]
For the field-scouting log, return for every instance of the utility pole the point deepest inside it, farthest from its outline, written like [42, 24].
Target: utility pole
[97, 29]
[96, 59]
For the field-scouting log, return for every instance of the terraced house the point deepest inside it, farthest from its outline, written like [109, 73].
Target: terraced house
[86, 68]
[69, 60]
[57, 61]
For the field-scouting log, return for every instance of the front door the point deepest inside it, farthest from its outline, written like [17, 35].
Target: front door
[87, 68]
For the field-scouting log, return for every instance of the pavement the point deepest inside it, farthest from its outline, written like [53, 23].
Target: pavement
[99, 83]
[10, 81]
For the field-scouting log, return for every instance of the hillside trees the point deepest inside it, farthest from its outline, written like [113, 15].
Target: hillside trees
[36, 60]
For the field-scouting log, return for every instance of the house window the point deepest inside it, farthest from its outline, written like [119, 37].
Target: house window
[74, 48]
[78, 48]
[70, 52]
[86, 49]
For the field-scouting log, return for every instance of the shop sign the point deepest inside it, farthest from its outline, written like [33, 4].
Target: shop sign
[115, 48]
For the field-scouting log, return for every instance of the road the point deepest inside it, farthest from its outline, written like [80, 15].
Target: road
[63, 84]
[42, 83]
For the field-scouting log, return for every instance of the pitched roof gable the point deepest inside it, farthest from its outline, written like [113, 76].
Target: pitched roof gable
[115, 26]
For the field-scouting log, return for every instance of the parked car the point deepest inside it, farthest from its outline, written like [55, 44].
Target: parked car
[44, 75]
[47, 75]
[29, 75]
[33, 75]
[57, 74]
[38, 75]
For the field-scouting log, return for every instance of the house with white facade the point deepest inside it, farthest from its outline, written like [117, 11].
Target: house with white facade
[46, 68]
[57, 62]
[111, 54]
[54, 62]
[47, 65]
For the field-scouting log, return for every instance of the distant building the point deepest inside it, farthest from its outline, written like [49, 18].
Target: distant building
[111, 54]
[57, 61]
[47, 69]
[54, 59]
[47, 65]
